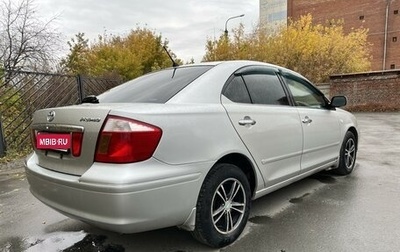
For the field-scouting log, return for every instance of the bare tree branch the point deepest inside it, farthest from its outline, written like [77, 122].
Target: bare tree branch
[26, 42]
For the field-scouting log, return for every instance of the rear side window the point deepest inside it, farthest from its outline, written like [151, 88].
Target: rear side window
[265, 89]
[236, 91]
[156, 87]
[257, 86]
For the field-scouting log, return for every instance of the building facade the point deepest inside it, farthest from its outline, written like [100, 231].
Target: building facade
[273, 13]
[380, 17]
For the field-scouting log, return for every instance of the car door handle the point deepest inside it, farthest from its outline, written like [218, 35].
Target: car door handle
[246, 121]
[307, 120]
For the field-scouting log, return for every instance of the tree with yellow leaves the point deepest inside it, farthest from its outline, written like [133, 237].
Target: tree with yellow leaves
[128, 57]
[314, 50]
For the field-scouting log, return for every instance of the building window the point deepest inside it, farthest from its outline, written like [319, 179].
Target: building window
[394, 39]
[361, 17]
[392, 66]
[395, 12]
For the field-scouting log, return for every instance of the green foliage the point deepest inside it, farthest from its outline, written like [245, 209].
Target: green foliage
[75, 62]
[314, 50]
[138, 53]
[15, 121]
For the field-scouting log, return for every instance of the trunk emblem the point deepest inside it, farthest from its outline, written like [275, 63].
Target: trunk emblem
[51, 115]
[89, 119]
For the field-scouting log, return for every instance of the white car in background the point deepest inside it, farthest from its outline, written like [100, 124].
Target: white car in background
[188, 146]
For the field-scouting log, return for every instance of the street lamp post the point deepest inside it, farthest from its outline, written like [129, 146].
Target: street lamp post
[226, 23]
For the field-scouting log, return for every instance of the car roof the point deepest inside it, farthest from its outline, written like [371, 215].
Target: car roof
[241, 63]
[207, 88]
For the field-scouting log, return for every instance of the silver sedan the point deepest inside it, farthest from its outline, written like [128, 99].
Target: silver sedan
[188, 146]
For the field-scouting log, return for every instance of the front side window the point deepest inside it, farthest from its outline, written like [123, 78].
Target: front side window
[304, 94]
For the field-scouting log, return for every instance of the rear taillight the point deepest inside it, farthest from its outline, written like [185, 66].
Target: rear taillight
[124, 140]
[76, 147]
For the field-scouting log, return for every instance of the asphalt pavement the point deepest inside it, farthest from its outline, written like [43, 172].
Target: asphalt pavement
[360, 212]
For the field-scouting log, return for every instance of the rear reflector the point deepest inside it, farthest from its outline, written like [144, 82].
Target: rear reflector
[124, 140]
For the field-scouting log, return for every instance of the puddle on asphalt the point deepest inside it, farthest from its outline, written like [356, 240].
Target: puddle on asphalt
[56, 241]
[13, 244]
[326, 179]
[260, 219]
[93, 242]
[61, 241]
[299, 199]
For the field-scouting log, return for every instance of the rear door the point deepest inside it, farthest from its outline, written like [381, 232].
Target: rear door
[258, 107]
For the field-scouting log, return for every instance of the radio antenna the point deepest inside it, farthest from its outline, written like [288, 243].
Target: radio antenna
[174, 64]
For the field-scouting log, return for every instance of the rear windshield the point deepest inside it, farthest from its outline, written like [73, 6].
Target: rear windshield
[157, 87]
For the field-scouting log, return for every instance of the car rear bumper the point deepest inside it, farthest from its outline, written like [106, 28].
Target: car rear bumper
[124, 198]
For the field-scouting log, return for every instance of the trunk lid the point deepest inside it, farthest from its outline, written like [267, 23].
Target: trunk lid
[65, 121]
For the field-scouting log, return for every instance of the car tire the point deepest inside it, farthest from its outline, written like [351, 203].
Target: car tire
[348, 153]
[223, 206]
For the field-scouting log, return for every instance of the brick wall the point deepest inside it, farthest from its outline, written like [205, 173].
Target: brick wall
[373, 91]
[369, 14]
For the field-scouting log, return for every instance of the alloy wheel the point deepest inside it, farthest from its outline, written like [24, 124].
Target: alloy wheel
[228, 206]
[350, 153]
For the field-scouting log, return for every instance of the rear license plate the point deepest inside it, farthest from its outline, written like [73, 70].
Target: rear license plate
[53, 141]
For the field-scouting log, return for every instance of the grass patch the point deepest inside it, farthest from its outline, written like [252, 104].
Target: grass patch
[15, 155]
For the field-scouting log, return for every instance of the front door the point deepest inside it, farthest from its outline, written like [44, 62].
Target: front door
[320, 125]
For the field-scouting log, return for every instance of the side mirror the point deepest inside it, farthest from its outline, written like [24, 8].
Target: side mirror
[338, 101]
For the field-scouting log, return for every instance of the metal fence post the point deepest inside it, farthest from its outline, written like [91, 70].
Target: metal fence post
[81, 94]
[3, 148]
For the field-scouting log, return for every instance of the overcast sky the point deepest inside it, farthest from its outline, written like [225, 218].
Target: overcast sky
[185, 23]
